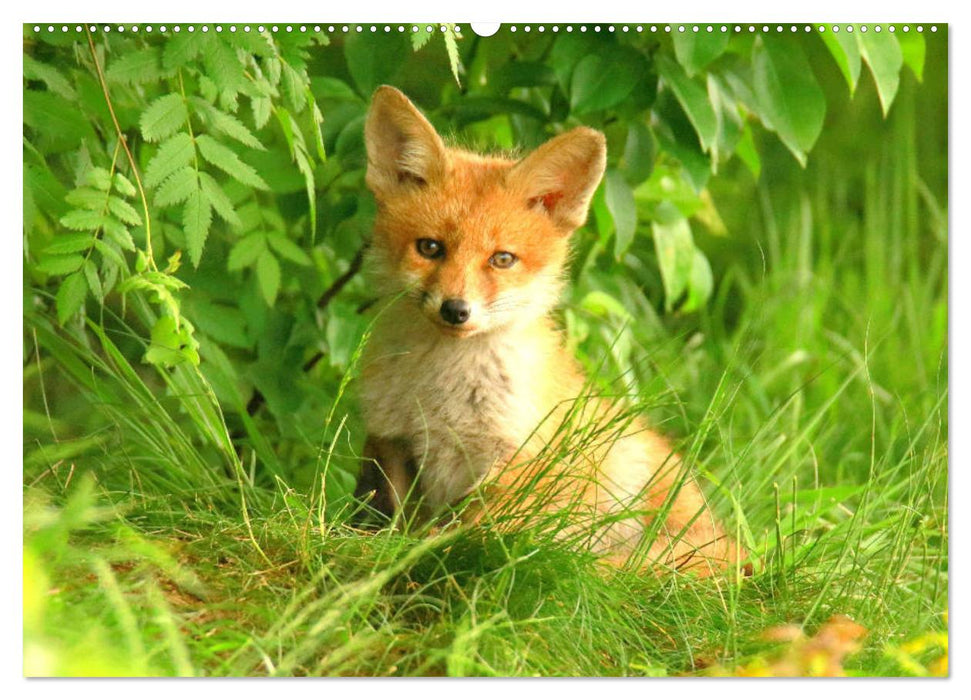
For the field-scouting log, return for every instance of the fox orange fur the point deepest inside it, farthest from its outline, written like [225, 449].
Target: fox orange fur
[465, 377]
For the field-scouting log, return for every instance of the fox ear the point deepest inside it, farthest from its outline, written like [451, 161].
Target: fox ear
[403, 148]
[560, 176]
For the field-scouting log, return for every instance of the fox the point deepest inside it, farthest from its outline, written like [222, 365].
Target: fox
[465, 377]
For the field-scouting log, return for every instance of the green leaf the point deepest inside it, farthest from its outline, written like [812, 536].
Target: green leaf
[620, 203]
[87, 198]
[61, 123]
[222, 64]
[669, 183]
[475, 108]
[227, 124]
[329, 88]
[220, 202]
[93, 280]
[171, 345]
[70, 296]
[700, 283]
[421, 37]
[745, 149]
[730, 122]
[50, 76]
[452, 49]
[227, 161]
[30, 209]
[59, 264]
[374, 61]
[882, 53]
[99, 178]
[695, 50]
[675, 252]
[124, 211]
[292, 86]
[246, 251]
[637, 161]
[196, 220]
[791, 103]
[164, 117]
[175, 153]
[177, 187]
[567, 52]
[288, 249]
[69, 243]
[262, 109]
[343, 335]
[602, 304]
[260, 44]
[693, 98]
[136, 67]
[316, 119]
[913, 48]
[520, 74]
[123, 185]
[83, 220]
[180, 49]
[306, 168]
[603, 81]
[118, 233]
[223, 322]
[46, 190]
[268, 276]
[846, 53]
[288, 126]
[110, 251]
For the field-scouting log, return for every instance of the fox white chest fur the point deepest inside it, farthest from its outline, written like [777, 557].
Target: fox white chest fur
[464, 405]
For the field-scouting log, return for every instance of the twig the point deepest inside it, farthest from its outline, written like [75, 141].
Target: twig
[124, 144]
[342, 281]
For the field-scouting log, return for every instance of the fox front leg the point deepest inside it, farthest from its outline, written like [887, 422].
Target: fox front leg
[388, 472]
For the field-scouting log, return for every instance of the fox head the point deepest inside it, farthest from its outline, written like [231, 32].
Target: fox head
[473, 243]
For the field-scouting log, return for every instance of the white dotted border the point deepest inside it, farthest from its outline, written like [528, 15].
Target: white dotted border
[288, 28]
[414, 28]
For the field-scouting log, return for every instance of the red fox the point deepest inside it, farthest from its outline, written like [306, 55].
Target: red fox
[465, 380]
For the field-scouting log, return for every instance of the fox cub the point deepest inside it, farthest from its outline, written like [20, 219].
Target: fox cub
[465, 380]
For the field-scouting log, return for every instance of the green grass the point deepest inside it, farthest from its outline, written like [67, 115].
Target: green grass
[811, 395]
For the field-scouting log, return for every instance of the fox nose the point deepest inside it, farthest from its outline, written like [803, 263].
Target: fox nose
[455, 311]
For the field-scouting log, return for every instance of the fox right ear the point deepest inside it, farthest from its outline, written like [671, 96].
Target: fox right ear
[560, 176]
[403, 148]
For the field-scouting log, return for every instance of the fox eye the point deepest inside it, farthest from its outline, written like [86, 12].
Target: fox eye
[429, 248]
[502, 260]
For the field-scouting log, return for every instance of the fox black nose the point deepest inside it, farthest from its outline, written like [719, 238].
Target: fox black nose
[455, 311]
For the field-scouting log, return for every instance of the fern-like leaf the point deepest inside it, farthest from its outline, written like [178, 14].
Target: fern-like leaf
[180, 49]
[220, 202]
[227, 124]
[177, 187]
[246, 251]
[137, 67]
[163, 117]
[226, 160]
[124, 211]
[196, 220]
[173, 154]
[70, 296]
[268, 276]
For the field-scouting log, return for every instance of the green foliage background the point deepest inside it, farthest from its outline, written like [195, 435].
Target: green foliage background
[193, 304]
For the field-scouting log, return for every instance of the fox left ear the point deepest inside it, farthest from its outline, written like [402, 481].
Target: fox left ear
[560, 176]
[403, 148]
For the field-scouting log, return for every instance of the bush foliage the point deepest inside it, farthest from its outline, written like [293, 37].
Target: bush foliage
[210, 182]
